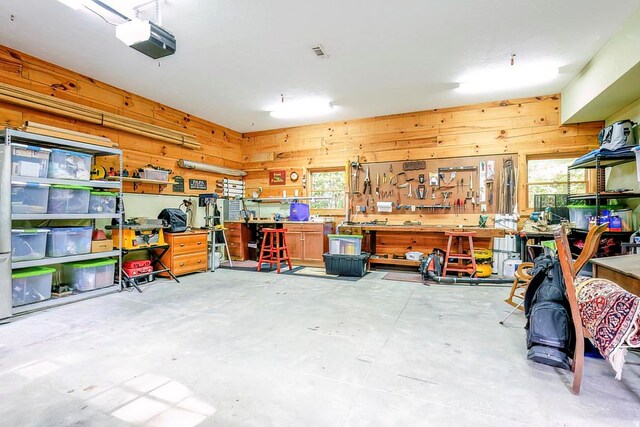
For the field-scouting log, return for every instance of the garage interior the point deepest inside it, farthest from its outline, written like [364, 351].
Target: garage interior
[319, 213]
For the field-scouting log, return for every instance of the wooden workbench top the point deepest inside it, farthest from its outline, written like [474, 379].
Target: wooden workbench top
[480, 232]
[271, 221]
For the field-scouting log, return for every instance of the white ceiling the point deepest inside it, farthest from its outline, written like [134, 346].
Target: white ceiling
[235, 57]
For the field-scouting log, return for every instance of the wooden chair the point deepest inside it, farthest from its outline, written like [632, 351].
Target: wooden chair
[522, 276]
[570, 270]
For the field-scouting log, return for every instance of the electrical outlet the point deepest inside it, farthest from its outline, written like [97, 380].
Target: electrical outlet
[357, 208]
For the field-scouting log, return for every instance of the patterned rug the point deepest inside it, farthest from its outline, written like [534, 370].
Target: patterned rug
[612, 317]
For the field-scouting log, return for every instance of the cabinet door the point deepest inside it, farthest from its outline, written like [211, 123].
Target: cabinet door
[313, 246]
[294, 243]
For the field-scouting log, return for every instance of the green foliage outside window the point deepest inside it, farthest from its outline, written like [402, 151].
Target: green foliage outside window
[328, 184]
[549, 176]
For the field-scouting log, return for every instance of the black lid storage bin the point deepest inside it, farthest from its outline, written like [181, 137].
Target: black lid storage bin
[346, 265]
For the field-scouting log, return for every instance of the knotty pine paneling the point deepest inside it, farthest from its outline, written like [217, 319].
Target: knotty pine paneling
[220, 146]
[523, 127]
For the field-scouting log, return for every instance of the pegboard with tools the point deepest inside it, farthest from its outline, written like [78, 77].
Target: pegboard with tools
[456, 186]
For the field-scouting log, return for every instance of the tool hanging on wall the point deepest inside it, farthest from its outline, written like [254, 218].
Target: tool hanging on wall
[355, 176]
[410, 194]
[414, 165]
[421, 178]
[377, 185]
[508, 191]
[367, 182]
[421, 191]
[483, 182]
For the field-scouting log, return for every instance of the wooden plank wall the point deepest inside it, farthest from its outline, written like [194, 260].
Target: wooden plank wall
[526, 127]
[220, 146]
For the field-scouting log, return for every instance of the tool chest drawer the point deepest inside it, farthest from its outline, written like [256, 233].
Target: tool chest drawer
[189, 244]
[187, 252]
[184, 264]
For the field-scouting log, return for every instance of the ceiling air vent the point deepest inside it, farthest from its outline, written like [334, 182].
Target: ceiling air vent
[319, 51]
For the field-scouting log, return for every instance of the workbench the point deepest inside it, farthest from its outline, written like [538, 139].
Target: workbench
[386, 241]
[623, 269]
[307, 241]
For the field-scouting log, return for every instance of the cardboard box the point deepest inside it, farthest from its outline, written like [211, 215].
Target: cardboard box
[101, 246]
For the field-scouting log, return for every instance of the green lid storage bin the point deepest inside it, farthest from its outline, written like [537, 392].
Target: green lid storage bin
[581, 215]
[28, 244]
[31, 285]
[69, 199]
[90, 275]
[345, 244]
[102, 202]
[29, 198]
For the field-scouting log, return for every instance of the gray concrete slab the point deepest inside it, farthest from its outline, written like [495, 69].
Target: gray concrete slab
[235, 348]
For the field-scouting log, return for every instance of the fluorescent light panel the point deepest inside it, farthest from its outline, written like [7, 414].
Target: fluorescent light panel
[510, 77]
[134, 31]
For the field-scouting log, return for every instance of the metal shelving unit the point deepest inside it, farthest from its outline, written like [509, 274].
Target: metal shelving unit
[9, 137]
[600, 162]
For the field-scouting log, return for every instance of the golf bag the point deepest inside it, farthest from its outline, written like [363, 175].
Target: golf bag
[550, 333]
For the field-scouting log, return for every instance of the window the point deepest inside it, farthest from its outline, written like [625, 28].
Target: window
[328, 183]
[549, 176]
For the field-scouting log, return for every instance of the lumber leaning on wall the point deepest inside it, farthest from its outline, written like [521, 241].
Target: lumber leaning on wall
[60, 107]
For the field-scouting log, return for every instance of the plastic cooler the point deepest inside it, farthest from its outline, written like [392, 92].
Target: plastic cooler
[102, 202]
[154, 174]
[65, 241]
[346, 265]
[89, 275]
[68, 199]
[29, 161]
[28, 244]
[342, 244]
[69, 165]
[31, 285]
[29, 198]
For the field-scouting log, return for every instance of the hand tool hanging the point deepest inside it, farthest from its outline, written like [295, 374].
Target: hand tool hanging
[508, 192]
[355, 176]
[367, 182]
[377, 185]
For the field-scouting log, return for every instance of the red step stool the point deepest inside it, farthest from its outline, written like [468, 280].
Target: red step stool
[274, 248]
[459, 255]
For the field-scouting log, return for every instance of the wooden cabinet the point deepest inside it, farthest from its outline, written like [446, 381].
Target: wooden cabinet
[188, 252]
[237, 234]
[307, 242]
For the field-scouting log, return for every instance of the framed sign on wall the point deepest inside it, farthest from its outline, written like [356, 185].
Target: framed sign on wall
[197, 184]
[277, 177]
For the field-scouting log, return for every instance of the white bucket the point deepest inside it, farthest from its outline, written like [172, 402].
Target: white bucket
[510, 267]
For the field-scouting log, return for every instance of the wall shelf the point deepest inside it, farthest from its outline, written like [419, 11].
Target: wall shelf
[285, 199]
[137, 181]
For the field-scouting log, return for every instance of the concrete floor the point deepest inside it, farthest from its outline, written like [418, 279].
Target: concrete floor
[237, 348]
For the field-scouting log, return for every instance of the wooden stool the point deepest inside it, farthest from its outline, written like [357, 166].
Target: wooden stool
[459, 255]
[274, 248]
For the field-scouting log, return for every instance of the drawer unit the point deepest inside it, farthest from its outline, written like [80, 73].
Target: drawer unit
[187, 254]
[237, 240]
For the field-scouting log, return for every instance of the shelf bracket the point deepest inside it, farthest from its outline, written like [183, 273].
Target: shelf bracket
[161, 187]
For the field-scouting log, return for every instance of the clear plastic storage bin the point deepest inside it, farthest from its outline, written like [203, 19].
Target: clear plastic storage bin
[65, 241]
[31, 285]
[29, 198]
[343, 244]
[28, 244]
[102, 202]
[89, 275]
[29, 161]
[154, 174]
[68, 199]
[69, 165]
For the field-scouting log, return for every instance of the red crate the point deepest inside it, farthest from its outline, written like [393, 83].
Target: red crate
[136, 264]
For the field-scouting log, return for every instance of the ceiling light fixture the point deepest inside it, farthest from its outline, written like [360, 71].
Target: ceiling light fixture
[312, 107]
[514, 76]
[188, 164]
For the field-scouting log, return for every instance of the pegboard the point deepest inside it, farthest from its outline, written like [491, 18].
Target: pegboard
[399, 184]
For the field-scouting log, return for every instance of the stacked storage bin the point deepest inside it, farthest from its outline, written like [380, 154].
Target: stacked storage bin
[345, 257]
